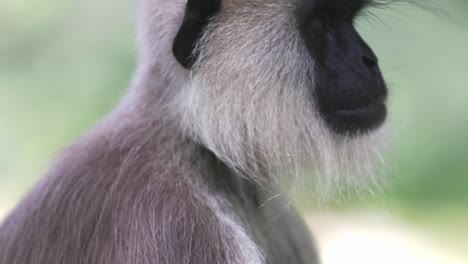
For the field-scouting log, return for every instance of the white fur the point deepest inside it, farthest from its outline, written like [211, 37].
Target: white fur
[250, 100]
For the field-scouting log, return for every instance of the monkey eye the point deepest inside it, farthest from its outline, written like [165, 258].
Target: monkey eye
[320, 25]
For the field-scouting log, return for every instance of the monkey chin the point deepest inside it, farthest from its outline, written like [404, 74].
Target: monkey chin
[344, 166]
[356, 121]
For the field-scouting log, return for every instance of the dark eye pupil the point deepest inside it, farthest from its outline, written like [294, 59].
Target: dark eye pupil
[318, 25]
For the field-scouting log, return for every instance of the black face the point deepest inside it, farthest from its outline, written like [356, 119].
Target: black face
[350, 88]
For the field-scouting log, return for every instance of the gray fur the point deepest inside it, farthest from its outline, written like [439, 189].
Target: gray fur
[184, 169]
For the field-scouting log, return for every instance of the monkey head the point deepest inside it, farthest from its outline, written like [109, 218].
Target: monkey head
[273, 86]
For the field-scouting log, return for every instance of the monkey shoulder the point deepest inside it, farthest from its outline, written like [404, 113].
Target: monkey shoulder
[111, 204]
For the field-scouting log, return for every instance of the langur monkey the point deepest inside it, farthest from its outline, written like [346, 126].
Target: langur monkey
[232, 99]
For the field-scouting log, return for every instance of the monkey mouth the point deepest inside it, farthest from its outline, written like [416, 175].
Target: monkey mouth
[355, 120]
[361, 112]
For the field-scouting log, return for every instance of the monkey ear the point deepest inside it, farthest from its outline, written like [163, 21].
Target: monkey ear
[197, 15]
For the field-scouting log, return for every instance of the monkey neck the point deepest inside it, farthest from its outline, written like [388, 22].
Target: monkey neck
[144, 119]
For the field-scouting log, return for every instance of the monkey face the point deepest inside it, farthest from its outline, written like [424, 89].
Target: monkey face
[282, 83]
[350, 89]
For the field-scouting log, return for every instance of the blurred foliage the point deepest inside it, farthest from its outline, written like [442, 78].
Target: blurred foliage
[64, 64]
[424, 56]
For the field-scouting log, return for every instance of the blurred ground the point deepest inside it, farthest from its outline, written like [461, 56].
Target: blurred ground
[375, 237]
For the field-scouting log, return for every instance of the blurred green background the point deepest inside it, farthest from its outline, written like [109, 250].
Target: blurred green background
[65, 64]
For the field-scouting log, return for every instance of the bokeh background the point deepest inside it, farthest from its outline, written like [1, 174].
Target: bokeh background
[65, 63]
